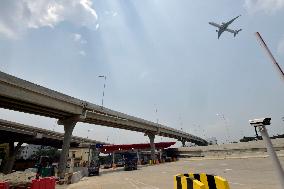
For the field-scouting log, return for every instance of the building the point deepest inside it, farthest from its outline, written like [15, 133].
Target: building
[27, 151]
[80, 156]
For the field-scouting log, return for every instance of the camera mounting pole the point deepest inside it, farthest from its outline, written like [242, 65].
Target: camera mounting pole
[261, 123]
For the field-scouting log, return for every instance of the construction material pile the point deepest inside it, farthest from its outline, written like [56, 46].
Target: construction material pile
[18, 177]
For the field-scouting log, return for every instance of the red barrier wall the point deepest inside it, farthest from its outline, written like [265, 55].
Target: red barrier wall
[4, 185]
[44, 183]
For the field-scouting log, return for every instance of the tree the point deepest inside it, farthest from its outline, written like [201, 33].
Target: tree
[52, 153]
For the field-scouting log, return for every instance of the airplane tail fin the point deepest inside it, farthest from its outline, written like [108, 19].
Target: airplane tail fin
[236, 32]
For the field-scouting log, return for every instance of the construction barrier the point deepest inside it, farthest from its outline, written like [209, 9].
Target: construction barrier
[187, 181]
[4, 185]
[44, 183]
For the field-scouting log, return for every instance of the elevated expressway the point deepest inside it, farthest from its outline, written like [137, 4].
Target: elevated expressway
[16, 132]
[20, 95]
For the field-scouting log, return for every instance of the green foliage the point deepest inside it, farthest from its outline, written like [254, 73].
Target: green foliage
[52, 153]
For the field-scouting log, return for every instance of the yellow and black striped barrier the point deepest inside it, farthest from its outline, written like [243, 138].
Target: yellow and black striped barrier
[199, 181]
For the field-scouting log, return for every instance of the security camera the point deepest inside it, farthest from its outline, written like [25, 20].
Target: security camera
[260, 121]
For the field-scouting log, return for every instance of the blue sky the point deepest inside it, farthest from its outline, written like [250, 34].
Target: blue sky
[156, 54]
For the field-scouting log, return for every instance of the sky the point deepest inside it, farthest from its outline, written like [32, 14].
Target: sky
[156, 55]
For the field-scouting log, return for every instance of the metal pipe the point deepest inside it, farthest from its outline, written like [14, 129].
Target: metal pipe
[263, 44]
[272, 153]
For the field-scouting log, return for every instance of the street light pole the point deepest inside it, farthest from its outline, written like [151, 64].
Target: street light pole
[103, 76]
[89, 130]
[181, 124]
[156, 110]
[226, 126]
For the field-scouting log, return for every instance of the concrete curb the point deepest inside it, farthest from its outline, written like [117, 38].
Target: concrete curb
[236, 157]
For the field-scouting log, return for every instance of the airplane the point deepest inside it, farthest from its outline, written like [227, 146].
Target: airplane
[224, 27]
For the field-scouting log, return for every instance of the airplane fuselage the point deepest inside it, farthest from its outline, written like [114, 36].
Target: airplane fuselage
[224, 27]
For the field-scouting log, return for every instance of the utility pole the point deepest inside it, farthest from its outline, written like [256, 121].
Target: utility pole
[103, 76]
[226, 126]
[156, 110]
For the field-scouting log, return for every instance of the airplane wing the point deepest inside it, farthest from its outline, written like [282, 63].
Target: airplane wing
[231, 21]
[231, 31]
[235, 32]
[219, 33]
[214, 24]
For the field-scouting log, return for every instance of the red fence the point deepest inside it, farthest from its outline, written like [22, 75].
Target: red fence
[43, 183]
[4, 185]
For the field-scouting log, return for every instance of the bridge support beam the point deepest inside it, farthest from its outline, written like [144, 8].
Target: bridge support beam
[152, 144]
[69, 125]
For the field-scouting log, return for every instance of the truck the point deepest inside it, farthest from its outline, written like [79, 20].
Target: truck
[93, 163]
[130, 161]
[94, 168]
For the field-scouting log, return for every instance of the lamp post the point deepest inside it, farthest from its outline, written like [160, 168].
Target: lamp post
[156, 110]
[89, 130]
[222, 117]
[181, 123]
[103, 76]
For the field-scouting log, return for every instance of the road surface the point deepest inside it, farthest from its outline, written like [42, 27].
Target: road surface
[249, 173]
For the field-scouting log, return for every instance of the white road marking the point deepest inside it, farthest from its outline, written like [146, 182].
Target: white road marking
[235, 183]
[136, 183]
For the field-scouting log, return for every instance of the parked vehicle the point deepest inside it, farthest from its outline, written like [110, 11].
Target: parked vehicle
[120, 163]
[130, 161]
[107, 165]
[94, 163]
[94, 168]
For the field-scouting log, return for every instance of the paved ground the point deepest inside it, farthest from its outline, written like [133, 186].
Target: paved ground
[249, 173]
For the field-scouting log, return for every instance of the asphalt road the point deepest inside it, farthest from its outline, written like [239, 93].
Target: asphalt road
[251, 173]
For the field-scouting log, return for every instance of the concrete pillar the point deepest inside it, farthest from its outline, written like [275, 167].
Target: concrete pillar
[113, 158]
[69, 125]
[183, 143]
[11, 157]
[138, 158]
[152, 144]
[71, 169]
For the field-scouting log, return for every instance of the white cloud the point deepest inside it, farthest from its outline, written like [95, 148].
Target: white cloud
[82, 53]
[114, 14]
[111, 13]
[280, 48]
[17, 16]
[268, 6]
[78, 38]
[144, 74]
[97, 26]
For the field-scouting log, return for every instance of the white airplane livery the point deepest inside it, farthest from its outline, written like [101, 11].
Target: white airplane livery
[224, 27]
